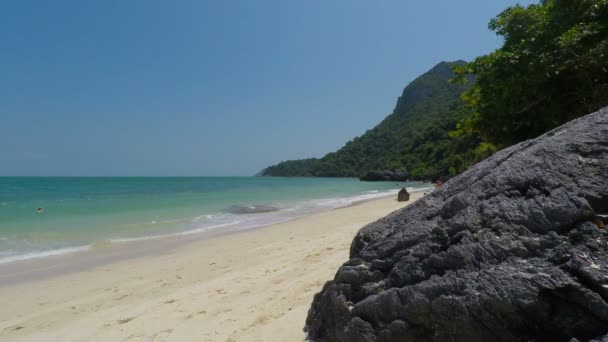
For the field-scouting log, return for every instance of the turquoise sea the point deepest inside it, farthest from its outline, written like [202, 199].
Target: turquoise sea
[79, 213]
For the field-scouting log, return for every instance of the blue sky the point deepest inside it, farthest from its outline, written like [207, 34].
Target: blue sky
[192, 87]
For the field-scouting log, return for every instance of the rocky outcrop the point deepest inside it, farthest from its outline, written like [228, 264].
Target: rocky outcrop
[386, 175]
[403, 195]
[510, 250]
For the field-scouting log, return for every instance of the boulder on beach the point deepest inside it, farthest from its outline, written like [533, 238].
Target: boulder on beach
[386, 175]
[513, 249]
[403, 195]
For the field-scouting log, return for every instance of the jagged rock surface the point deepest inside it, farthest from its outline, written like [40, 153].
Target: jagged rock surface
[386, 175]
[510, 250]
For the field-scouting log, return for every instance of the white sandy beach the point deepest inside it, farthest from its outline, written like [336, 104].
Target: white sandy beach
[250, 286]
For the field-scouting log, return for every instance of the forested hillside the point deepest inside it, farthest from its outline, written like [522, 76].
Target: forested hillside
[552, 67]
[414, 137]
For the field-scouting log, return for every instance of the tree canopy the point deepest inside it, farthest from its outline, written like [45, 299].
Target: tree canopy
[552, 67]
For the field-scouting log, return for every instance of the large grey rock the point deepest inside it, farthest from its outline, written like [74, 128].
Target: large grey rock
[510, 250]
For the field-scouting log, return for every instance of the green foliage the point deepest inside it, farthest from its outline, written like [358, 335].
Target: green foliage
[552, 67]
[415, 136]
[292, 168]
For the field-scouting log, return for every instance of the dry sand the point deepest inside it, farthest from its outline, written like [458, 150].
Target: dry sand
[250, 286]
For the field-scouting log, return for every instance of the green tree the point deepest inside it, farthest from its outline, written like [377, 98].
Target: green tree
[552, 67]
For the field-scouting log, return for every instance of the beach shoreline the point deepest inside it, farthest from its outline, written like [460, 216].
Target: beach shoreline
[88, 257]
[245, 286]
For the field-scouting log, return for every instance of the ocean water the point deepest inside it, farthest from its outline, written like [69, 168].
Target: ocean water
[81, 213]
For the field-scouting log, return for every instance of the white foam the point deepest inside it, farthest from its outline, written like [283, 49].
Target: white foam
[237, 222]
[228, 222]
[168, 235]
[43, 254]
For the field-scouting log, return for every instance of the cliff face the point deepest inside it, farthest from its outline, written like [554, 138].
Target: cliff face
[427, 86]
[513, 249]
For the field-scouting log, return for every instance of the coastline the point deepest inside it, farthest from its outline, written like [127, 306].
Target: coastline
[157, 209]
[243, 286]
[83, 258]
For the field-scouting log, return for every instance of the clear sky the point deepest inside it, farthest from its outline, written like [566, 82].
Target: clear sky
[189, 87]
